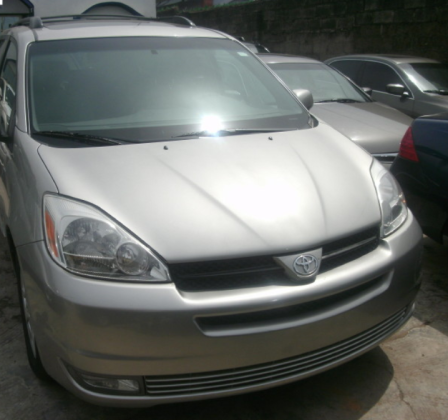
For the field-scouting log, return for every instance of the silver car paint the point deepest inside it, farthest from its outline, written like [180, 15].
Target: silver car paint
[221, 197]
[375, 127]
[180, 203]
[136, 329]
[24, 179]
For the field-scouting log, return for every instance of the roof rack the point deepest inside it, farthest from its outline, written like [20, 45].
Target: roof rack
[36, 22]
[179, 20]
[32, 22]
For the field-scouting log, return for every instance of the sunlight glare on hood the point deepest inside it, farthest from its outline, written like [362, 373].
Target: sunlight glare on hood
[268, 202]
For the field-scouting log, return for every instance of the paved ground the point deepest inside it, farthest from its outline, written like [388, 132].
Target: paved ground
[406, 378]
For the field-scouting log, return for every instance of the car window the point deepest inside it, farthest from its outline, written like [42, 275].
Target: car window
[146, 89]
[321, 80]
[377, 76]
[348, 67]
[431, 76]
[8, 79]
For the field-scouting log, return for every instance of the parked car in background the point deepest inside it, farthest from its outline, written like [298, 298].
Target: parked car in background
[422, 170]
[343, 105]
[181, 227]
[414, 85]
[254, 46]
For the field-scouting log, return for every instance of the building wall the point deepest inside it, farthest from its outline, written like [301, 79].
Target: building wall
[326, 28]
[72, 7]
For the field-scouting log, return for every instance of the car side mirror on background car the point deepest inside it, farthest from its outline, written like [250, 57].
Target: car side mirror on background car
[305, 96]
[397, 89]
[367, 90]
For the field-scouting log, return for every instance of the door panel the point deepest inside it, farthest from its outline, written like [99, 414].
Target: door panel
[377, 76]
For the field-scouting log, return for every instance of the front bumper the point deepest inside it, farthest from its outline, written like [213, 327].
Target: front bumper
[157, 333]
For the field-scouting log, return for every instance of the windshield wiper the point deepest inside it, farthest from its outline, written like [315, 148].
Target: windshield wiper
[438, 91]
[339, 100]
[232, 132]
[82, 137]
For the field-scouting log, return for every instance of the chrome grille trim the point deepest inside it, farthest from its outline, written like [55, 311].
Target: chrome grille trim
[349, 248]
[283, 370]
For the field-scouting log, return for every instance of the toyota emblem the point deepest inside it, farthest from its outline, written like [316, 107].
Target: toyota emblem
[306, 265]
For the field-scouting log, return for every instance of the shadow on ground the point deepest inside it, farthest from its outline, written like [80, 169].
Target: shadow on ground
[432, 302]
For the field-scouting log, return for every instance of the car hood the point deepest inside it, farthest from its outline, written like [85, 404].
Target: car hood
[373, 126]
[222, 197]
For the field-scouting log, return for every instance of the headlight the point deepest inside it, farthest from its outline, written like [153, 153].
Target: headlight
[392, 203]
[85, 241]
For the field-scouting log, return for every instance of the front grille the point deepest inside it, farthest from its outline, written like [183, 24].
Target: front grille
[260, 271]
[227, 274]
[269, 373]
[348, 249]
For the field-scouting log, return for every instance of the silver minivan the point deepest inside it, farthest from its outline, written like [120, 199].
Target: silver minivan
[181, 227]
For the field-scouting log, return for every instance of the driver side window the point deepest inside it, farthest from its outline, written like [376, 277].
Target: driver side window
[377, 76]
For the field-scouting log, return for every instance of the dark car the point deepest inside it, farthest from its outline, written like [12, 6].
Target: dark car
[414, 85]
[422, 170]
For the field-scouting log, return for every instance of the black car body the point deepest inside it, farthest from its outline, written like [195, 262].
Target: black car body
[422, 170]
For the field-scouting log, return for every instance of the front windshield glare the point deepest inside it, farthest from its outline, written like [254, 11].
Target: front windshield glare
[148, 88]
[323, 82]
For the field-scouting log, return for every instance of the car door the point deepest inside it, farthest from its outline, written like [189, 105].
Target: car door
[8, 78]
[378, 76]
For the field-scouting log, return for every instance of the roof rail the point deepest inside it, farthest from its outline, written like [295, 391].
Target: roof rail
[35, 22]
[180, 20]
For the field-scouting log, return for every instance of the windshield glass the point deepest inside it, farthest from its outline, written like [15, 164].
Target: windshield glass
[431, 76]
[147, 89]
[323, 82]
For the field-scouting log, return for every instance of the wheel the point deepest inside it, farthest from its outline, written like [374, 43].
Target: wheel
[30, 342]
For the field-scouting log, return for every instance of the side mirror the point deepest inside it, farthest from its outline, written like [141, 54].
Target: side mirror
[367, 90]
[397, 89]
[305, 96]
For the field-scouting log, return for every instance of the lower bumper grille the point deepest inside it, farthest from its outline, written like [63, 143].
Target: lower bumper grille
[257, 375]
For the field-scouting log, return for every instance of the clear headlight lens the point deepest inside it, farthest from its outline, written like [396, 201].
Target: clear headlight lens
[85, 241]
[390, 196]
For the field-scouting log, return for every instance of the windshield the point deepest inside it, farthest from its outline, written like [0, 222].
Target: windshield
[431, 76]
[323, 82]
[148, 89]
